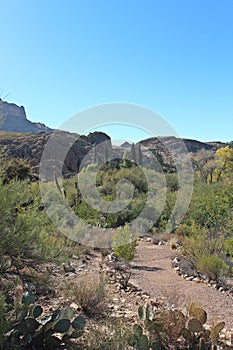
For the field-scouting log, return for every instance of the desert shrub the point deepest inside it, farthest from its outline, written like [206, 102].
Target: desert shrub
[229, 247]
[207, 251]
[90, 292]
[167, 216]
[165, 236]
[25, 229]
[14, 169]
[172, 182]
[108, 179]
[212, 266]
[125, 243]
[194, 244]
[211, 206]
[183, 230]
[16, 222]
[174, 242]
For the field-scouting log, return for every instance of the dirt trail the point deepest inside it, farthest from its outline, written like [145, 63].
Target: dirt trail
[153, 273]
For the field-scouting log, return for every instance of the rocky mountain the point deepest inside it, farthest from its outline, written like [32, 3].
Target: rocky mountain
[13, 118]
[167, 149]
[31, 147]
[173, 142]
[126, 145]
[21, 138]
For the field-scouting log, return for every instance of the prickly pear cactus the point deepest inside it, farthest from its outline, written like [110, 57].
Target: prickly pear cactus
[167, 328]
[62, 326]
[173, 323]
[28, 298]
[198, 313]
[215, 330]
[36, 311]
[138, 340]
[28, 331]
[141, 313]
[149, 313]
[194, 325]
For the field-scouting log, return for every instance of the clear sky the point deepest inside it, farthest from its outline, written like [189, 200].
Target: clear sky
[173, 56]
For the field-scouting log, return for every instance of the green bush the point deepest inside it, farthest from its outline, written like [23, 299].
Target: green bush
[229, 247]
[125, 243]
[14, 169]
[16, 221]
[212, 266]
[194, 243]
[25, 228]
[211, 206]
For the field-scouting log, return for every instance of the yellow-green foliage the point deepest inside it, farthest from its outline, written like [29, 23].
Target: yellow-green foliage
[25, 229]
[124, 243]
[9, 134]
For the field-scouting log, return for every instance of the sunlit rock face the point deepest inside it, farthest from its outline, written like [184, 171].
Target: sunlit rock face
[13, 118]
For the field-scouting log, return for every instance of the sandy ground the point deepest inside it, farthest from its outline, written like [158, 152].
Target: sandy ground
[153, 272]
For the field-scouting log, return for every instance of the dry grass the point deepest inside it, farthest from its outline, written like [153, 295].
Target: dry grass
[90, 293]
[174, 242]
[108, 334]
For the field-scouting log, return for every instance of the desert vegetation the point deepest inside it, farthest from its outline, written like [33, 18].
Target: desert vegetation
[29, 240]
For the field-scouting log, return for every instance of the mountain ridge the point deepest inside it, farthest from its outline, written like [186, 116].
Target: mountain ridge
[21, 138]
[13, 119]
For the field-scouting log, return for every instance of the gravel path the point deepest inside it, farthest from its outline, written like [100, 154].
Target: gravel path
[153, 272]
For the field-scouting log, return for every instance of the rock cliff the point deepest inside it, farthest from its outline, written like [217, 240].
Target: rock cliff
[31, 147]
[13, 118]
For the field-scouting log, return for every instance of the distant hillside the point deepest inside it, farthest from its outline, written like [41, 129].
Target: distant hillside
[172, 142]
[161, 147]
[21, 138]
[31, 146]
[13, 119]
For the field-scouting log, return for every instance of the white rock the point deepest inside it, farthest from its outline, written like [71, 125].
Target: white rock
[196, 279]
[189, 278]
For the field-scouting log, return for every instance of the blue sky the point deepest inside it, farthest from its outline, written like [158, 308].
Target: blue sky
[172, 56]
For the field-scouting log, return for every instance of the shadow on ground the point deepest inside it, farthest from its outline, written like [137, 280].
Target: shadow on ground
[146, 268]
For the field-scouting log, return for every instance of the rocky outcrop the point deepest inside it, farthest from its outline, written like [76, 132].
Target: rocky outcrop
[173, 142]
[31, 138]
[31, 147]
[126, 145]
[13, 118]
[166, 149]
